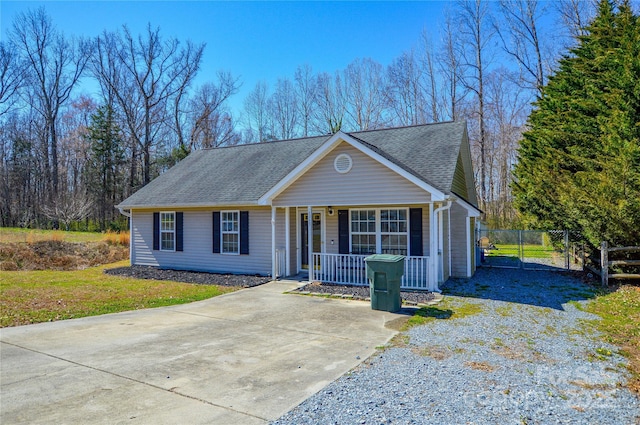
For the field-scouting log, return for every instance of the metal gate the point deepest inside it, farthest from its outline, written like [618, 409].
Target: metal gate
[529, 249]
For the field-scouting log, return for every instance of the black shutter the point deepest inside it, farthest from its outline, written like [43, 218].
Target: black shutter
[244, 232]
[415, 231]
[216, 232]
[179, 230]
[343, 231]
[156, 231]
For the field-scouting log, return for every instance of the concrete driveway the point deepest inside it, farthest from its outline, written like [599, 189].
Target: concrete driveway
[241, 358]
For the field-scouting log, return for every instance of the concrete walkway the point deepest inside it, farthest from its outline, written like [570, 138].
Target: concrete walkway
[242, 358]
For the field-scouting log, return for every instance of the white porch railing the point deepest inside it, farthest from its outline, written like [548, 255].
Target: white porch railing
[350, 269]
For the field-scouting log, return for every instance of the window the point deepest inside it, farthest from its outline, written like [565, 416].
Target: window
[363, 232]
[383, 231]
[394, 231]
[167, 231]
[230, 230]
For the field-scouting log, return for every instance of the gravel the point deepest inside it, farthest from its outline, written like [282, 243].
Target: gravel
[202, 278]
[523, 355]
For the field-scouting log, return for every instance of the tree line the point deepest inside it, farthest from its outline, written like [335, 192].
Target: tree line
[67, 158]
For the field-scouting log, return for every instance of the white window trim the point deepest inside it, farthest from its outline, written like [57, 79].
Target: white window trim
[378, 231]
[223, 232]
[406, 234]
[173, 232]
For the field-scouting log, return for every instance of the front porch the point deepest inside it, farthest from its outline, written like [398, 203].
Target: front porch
[341, 238]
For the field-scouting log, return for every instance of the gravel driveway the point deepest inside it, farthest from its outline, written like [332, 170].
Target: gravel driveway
[506, 347]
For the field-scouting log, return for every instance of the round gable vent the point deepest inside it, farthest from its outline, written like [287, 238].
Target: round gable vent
[343, 163]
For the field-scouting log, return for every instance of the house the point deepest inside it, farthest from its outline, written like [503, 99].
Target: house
[253, 209]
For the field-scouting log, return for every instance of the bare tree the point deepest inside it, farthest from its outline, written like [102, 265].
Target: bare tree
[12, 76]
[256, 113]
[283, 107]
[476, 34]
[575, 15]
[404, 91]
[68, 208]
[430, 86]
[179, 100]
[520, 38]
[210, 122]
[144, 74]
[55, 64]
[364, 94]
[508, 106]
[330, 103]
[450, 69]
[306, 92]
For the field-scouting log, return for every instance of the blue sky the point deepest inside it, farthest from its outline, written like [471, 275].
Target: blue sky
[255, 40]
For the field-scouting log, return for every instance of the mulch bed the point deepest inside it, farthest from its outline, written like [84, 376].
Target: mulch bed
[247, 281]
[201, 278]
[362, 293]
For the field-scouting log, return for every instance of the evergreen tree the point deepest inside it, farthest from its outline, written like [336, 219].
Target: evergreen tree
[579, 162]
[104, 167]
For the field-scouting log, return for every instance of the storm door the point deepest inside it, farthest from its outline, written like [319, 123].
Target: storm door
[317, 237]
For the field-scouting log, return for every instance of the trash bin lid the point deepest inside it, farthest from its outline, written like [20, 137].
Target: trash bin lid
[385, 258]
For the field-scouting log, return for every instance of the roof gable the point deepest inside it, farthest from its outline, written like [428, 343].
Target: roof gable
[365, 148]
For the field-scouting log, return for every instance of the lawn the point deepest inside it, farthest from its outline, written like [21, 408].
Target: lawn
[45, 295]
[529, 250]
[620, 313]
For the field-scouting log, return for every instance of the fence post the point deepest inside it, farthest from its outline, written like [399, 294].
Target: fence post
[604, 263]
[520, 249]
[566, 250]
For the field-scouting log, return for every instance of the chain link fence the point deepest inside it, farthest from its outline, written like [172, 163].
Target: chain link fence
[530, 249]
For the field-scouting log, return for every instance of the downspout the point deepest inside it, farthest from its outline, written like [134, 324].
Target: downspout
[435, 262]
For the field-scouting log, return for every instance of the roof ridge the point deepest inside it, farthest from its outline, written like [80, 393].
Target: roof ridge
[239, 145]
[407, 126]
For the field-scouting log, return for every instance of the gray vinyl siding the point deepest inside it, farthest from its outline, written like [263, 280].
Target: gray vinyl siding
[368, 182]
[458, 241]
[459, 185]
[198, 243]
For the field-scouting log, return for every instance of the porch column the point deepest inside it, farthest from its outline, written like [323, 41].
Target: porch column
[287, 242]
[273, 243]
[310, 242]
[433, 248]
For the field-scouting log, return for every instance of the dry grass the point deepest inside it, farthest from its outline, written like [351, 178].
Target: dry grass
[58, 255]
[483, 366]
[17, 235]
[116, 238]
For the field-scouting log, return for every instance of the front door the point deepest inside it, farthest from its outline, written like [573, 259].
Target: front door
[317, 237]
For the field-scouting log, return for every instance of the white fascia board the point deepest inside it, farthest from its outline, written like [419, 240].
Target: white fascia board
[304, 166]
[188, 206]
[322, 151]
[471, 210]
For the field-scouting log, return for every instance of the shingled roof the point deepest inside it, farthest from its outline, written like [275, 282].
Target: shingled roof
[240, 175]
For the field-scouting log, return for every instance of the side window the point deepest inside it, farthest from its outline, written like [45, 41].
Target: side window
[230, 230]
[167, 231]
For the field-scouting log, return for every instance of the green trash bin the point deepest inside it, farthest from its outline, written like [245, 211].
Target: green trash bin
[384, 273]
